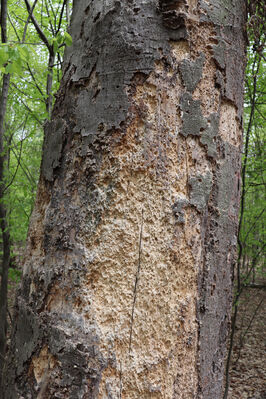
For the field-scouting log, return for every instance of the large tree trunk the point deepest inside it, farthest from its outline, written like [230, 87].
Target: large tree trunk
[127, 280]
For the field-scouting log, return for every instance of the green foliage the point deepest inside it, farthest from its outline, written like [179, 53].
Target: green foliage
[12, 58]
[25, 57]
[14, 274]
[62, 38]
[252, 218]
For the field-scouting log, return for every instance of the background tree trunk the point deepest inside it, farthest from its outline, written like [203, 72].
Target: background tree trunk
[127, 279]
[6, 245]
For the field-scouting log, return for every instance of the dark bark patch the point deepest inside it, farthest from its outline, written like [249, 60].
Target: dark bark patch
[81, 363]
[191, 72]
[97, 17]
[219, 81]
[200, 189]
[209, 134]
[173, 13]
[178, 210]
[221, 12]
[52, 148]
[229, 18]
[28, 335]
[135, 33]
[219, 53]
[193, 121]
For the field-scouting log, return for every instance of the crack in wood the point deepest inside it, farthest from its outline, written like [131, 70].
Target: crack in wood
[136, 283]
[121, 385]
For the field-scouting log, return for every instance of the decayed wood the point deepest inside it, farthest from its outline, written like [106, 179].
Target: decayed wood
[126, 290]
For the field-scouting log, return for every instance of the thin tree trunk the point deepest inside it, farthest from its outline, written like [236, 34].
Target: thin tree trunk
[4, 21]
[4, 286]
[67, 12]
[3, 211]
[126, 291]
[49, 83]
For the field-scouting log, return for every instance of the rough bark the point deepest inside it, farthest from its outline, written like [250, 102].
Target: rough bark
[126, 290]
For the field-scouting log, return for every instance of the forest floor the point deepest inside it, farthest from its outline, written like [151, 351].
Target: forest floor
[248, 368]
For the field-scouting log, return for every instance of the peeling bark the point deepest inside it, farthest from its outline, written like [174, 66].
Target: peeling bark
[126, 290]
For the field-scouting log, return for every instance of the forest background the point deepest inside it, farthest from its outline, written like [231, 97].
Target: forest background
[33, 38]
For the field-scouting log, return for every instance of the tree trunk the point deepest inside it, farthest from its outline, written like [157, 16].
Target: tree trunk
[49, 83]
[126, 290]
[5, 261]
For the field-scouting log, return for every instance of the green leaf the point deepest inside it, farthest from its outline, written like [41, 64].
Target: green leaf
[68, 39]
[24, 52]
[14, 67]
[54, 44]
[14, 274]
[3, 55]
[59, 38]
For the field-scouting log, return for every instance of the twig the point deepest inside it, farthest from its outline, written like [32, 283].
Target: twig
[27, 22]
[34, 79]
[13, 26]
[15, 173]
[38, 28]
[61, 17]
[27, 173]
[49, 18]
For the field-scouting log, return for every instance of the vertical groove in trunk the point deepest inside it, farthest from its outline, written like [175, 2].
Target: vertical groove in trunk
[132, 238]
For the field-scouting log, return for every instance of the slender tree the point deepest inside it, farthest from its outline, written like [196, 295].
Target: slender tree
[18, 93]
[55, 26]
[126, 291]
[3, 211]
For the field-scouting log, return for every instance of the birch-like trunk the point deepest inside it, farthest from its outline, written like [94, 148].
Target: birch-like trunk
[127, 284]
